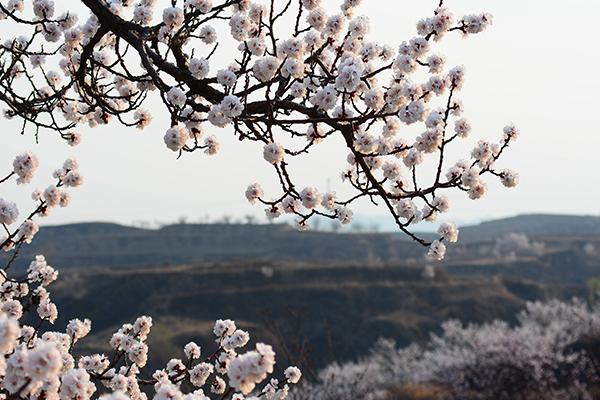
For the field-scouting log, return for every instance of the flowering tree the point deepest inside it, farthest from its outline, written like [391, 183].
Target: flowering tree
[550, 354]
[37, 362]
[299, 77]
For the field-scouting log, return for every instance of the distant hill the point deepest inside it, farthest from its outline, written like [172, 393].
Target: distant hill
[533, 225]
[110, 245]
[88, 245]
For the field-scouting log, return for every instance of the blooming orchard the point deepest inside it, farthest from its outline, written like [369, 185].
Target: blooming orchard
[37, 362]
[299, 76]
[550, 354]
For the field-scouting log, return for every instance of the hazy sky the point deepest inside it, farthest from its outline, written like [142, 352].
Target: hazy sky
[536, 67]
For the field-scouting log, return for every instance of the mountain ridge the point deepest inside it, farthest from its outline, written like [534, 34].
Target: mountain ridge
[102, 244]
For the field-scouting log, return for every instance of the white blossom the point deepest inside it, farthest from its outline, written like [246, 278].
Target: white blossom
[254, 192]
[8, 212]
[509, 178]
[310, 197]
[192, 351]
[273, 153]
[173, 18]
[176, 97]
[293, 374]
[25, 165]
[176, 137]
[437, 250]
[449, 232]
[199, 67]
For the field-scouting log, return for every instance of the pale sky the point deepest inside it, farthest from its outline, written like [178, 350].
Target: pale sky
[535, 67]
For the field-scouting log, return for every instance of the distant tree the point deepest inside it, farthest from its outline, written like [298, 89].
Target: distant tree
[205, 219]
[316, 224]
[374, 227]
[357, 227]
[159, 224]
[512, 245]
[334, 226]
[428, 272]
[593, 285]
[225, 219]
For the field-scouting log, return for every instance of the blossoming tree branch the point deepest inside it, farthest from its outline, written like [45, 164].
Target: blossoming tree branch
[37, 362]
[299, 77]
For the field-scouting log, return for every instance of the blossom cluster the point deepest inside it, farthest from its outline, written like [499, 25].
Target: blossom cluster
[37, 361]
[42, 364]
[25, 166]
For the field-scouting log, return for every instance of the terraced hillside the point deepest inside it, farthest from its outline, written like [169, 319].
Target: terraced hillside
[322, 296]
[334, 311]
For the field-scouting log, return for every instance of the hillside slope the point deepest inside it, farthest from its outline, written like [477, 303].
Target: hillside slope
[331, 295]
[108, 245]
[338, 310]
